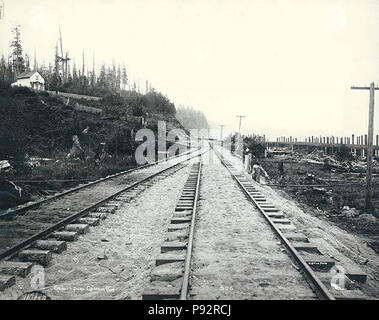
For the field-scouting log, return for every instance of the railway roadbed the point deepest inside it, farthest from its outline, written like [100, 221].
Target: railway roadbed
[235, 254]
[114, 259]
[22, 226]
[345, 248]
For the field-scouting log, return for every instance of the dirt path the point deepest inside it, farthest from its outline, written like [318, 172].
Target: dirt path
[236, 255]
[129, 241]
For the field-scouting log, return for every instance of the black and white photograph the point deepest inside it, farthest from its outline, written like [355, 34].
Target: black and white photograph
[211, 151]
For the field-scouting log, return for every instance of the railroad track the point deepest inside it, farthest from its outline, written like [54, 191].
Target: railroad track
[31, 236]
[24, 208]
[308, 258]
[170, 277]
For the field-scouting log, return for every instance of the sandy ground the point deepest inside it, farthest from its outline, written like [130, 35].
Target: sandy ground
[346, 248]
[129, 240]
[236, 255]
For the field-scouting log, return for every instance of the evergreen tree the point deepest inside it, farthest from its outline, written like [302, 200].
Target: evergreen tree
[101, 80]
[124, 78]
[27, 62]
[118, 78]
[191, 119]
[18, 62]
[3, 69]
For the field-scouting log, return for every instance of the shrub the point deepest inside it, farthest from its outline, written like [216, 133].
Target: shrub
[43, 93]
[343, 153]
[114, 100]
[137, 110]
[256, 147]
[22, 91]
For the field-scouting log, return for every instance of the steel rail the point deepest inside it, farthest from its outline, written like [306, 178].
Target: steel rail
[64, 193]
[187, 267]
[317, 185]
[9, 253]
[319, 287]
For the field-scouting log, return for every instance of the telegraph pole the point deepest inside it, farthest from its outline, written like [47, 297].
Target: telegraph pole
[370, 138]
[222, 127]
[239, 130]
[2, 10]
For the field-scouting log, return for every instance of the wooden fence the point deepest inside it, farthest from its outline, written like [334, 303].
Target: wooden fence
[355, 142]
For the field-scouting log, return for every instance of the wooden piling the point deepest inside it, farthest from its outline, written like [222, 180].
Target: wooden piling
[369, 206]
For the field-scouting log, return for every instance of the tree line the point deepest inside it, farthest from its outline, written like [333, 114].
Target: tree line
[111, 82]
[191, 119]
[110, 79]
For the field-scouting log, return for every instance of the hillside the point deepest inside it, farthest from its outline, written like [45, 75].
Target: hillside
[35, 126]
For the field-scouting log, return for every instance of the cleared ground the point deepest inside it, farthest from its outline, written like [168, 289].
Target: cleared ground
[339, 197]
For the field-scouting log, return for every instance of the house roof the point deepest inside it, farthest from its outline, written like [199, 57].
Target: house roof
[26, 74]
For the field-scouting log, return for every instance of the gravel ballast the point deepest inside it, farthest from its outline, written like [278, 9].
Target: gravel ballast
[114, 260]
[236, 254]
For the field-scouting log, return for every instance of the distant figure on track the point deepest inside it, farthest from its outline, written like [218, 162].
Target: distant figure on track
[256, 173]
[281, 171]
[256, 170]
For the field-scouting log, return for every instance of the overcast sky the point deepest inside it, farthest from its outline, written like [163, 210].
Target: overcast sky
[286, 65]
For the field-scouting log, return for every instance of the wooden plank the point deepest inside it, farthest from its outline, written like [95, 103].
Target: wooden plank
[6, 281]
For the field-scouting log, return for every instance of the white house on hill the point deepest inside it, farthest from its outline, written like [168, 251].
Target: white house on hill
[30, 79]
